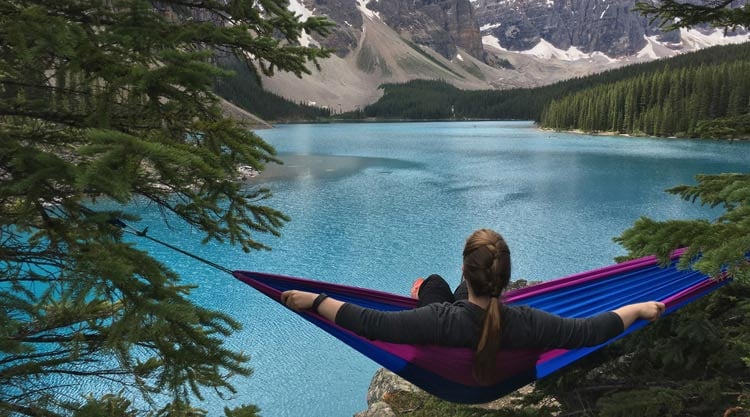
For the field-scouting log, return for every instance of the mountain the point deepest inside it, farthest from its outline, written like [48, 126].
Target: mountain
[475, 44]
[605, 26]
[587, 27]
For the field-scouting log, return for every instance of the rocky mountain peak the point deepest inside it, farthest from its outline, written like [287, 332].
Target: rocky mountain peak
[475, 44]
[442, 25]
[607, 26]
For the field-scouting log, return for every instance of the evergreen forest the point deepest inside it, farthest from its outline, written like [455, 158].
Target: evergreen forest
[694, 101]
[438, 100]
[705, 93]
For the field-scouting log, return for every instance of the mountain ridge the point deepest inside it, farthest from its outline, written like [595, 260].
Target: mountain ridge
[395, 41]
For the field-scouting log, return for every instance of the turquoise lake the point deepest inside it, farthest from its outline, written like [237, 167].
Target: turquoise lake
[377, 205]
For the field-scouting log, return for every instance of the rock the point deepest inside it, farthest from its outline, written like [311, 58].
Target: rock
[383, 383]
[386, 383]
[377, 409]
[609, 26]
[521, 283]
[345, 35]
[443, 25]
[246, 172]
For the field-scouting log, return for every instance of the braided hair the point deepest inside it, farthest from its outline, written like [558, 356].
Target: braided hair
[487, 271]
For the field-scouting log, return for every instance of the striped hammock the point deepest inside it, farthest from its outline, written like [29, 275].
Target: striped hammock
[446, 371]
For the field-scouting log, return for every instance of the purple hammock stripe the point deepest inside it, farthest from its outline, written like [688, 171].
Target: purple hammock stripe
[584, 277]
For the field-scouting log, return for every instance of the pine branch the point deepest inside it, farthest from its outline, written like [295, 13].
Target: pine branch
[104, 100]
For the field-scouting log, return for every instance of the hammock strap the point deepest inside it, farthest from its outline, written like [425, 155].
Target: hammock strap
[143, 233]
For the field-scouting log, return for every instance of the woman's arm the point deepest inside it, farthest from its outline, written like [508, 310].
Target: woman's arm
[302, 300]
[525, 327]
[415, 326]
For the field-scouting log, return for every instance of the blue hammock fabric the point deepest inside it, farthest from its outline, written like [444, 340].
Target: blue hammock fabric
[446, 372]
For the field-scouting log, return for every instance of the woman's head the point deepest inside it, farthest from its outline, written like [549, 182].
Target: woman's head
[486, 263]
[487, 271]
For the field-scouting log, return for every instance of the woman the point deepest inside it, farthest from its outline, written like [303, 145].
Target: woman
[474, 316]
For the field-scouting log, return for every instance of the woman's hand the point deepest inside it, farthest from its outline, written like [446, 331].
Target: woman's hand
[651, 310]
[298, 300]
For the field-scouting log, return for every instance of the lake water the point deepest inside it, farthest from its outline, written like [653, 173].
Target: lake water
[376, 205]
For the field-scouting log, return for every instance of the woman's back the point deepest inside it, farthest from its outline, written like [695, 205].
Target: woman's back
[459, 324]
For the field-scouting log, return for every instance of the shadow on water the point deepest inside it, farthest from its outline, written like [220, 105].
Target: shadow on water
[304, 166]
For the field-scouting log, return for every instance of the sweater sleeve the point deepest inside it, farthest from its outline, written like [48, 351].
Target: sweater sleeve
[532, 328]
[416, 326]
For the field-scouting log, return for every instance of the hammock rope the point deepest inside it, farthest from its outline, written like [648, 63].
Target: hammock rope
[143, 233]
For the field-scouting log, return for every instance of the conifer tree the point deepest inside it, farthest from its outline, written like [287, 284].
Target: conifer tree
[110, 100]
[694, 363]
[721, 246]
[679, 14]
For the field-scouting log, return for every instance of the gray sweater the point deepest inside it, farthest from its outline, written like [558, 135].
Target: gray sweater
[460, 325]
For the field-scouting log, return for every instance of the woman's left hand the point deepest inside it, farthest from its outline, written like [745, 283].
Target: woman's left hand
[298, 300]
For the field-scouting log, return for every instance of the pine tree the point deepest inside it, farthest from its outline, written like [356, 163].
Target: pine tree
[722, 244]
[696, 362]
[111, 100]
[675, 14]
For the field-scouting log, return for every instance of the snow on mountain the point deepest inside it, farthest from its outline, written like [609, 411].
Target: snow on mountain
[690, 40]
[654, 49]
[546, 50]
[572, 30]
[492, 41]
[694, 39]
[362, 6]
[299, 9]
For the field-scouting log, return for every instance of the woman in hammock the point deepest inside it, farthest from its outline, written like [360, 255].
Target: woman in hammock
[474, 315]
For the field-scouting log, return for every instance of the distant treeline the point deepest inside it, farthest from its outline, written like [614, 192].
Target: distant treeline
[649, 82]
[705, 100]
[244, 91]
[426, 99]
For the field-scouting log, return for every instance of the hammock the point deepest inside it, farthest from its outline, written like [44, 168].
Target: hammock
[446, 372]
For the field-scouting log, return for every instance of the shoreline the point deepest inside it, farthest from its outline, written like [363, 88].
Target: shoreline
[375, 120]
[628, 135]
[534, 123]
